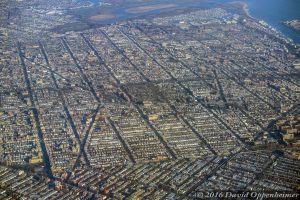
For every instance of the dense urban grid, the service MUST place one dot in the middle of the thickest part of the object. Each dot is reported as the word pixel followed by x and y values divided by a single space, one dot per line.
pixel 165 107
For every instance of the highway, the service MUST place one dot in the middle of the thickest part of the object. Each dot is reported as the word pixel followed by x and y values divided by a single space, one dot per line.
pixel 187 90
pixel 65 106
pixel 40 133
pixel 101 61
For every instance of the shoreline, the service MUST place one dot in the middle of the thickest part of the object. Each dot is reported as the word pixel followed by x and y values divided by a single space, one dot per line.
pixel 247 10
pixel 277 33
pixel 243 8
pixel 292 24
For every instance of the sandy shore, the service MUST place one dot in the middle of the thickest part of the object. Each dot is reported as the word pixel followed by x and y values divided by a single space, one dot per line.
pixel 246 10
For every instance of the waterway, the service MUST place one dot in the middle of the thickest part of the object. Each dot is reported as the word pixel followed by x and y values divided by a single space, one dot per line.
pixel 274 12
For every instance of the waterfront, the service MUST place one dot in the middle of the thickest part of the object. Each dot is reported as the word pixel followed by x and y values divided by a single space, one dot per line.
pixel 275 13
pixel 166 106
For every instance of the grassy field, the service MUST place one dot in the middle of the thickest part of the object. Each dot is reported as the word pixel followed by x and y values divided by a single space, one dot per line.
pixel 143 9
